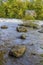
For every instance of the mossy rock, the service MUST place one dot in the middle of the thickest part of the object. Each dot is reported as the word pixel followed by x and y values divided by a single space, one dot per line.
pixel 21 29
pixel 32 25
pixel 35 26
pixel 4 27
pixel 23 36
pixel 17 51
pixel 24 24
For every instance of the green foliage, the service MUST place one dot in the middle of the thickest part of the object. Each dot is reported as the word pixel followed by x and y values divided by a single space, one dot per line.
pixel 28 17
pixel 17 8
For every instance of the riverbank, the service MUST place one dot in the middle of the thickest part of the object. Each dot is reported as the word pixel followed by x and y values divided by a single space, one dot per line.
pixel 11 20
pixel 40 22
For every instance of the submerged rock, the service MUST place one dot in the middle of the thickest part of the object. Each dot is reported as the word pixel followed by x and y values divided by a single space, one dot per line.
pixel 4 27
pixel 17 51
pixel 21 29
pixel 23 36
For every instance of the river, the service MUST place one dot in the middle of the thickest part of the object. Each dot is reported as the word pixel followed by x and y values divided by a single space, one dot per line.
pixel 9 38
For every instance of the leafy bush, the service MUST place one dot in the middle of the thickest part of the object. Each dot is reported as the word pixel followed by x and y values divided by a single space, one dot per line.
pixel 17 8
pixel 28 17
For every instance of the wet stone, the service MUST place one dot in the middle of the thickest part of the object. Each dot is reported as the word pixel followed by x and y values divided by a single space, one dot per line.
pixel 4 27
pixel 17 51
pixel 41 31
pixel 23 36
pixel 21 29
pixel 31 24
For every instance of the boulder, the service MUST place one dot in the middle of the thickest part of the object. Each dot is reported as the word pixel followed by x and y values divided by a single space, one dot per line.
pixel 21 29
pixel 17 51
pixel 35 26
pixel 41 31
pixel 4 27
pixel 23 36
pixel 24 24
pixel 32 25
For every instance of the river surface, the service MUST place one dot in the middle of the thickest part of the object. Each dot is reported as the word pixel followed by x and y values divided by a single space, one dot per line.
pixel 10 37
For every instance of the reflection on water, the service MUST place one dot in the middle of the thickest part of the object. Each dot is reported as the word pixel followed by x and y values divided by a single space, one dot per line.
pixel 9 37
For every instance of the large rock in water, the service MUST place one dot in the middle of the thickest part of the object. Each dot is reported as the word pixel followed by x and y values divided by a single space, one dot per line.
pixel 31 25
pixel 41 31
pixel 23 36
pixel 4 27
pixel 17 51
pixel 21 29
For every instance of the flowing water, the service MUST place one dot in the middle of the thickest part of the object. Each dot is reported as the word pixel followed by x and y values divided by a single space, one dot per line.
pixel 10 37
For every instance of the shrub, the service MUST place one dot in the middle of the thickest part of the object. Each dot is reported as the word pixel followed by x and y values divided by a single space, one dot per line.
pixel 17 8
pixel 28 17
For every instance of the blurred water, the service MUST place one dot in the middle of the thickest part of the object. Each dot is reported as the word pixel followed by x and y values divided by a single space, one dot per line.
pixel 9 37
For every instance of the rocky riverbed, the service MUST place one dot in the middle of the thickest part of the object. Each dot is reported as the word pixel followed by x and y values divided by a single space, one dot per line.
pixel 10 37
